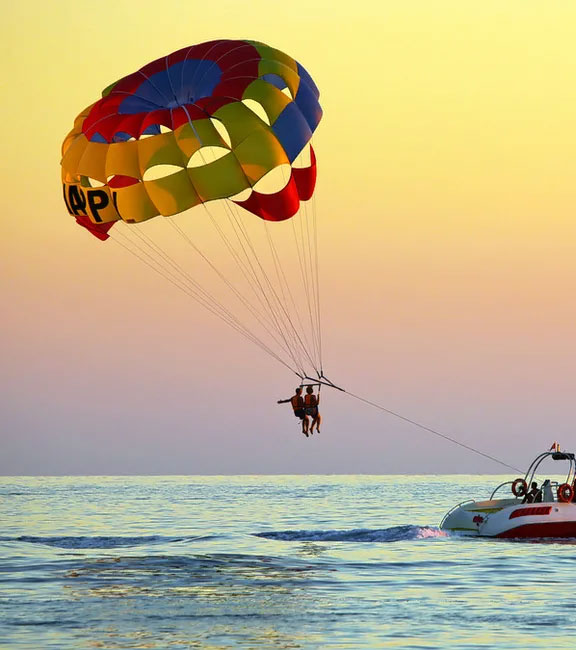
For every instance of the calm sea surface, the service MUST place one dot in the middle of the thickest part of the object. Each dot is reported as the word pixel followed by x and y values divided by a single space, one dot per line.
pixel 269 562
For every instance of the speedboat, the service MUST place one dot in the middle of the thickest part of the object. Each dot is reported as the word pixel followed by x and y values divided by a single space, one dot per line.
pixel 546 512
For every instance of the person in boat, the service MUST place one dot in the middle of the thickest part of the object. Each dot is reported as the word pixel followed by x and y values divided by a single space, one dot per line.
pixel 297 402
pixel 311 402
pixel 534 495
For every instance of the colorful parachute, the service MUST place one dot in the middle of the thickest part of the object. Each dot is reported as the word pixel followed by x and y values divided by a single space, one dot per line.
pixel 211 124
pixel 251 104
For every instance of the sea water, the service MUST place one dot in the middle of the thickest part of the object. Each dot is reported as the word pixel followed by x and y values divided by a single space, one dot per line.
pixel 269 562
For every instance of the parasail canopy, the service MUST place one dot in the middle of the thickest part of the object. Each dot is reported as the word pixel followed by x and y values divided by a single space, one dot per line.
pixel 207 122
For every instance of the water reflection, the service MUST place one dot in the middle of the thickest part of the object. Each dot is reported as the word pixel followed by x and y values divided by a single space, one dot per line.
pixel 203 600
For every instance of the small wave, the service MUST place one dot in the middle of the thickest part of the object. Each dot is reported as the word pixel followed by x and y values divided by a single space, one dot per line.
pixel 97 542
pixel 394 534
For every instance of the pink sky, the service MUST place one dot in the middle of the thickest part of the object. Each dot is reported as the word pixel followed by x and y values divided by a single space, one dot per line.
pixel 447 235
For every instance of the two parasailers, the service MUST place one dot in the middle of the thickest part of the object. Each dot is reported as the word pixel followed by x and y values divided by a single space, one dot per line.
pixel 306 408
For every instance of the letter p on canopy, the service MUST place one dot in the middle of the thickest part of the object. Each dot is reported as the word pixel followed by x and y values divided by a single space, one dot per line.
pixel 95 203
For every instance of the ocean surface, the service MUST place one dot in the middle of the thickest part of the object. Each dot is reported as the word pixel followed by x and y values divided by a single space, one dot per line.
pixel 269 562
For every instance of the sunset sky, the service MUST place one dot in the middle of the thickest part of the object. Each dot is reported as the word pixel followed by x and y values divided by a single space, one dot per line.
pixel 446 199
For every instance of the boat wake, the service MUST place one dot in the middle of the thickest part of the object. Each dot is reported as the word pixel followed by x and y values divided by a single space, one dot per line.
pixel 394 534
pixel 100 542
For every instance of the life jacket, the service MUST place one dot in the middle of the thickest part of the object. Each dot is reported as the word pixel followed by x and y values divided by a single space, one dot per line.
pixel 297 402
pixel 310 400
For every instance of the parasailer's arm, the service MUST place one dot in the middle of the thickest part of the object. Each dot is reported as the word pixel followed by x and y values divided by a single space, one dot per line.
pixel 284 401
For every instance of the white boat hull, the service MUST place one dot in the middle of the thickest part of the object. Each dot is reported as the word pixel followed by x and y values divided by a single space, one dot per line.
pixel 513 519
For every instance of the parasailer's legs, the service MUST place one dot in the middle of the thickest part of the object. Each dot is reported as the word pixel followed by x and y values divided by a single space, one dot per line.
pixel 311 402
pixel 316 421
pixel 305 425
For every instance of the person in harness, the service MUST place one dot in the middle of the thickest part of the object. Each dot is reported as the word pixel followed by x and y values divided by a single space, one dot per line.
pixel 297 402
pixel 311 402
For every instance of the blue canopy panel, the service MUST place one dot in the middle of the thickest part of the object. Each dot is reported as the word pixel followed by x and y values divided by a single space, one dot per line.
pixel 307 101
pixel 304 76
pixel 182 83
pixel 274 79
pixel 292 130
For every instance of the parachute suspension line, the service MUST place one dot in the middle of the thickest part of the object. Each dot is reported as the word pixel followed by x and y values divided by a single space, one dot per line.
pixel 207 296
pixel 186 276
pixel 251 268
pixel 226 280
pixel 285 288
pixel 265 324
pixel 279 275
pixel 309 341
pixel 303 275
pixel 283 282
pixel 244 269
pixel 254 282
pixel 317 273
pixel 194 290
pixel 313 280
pixel 189 289
pixel 305 281
pixel 149 261
pixel 274 294
pixel 270 296
pixel 430 430
pixel 160 265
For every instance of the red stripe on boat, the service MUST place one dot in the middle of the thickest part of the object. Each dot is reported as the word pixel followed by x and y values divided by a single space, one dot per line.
pixel 551 529
pixel 526 512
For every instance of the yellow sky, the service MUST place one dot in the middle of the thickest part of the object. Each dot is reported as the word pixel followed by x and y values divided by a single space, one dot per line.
pixel 446 195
